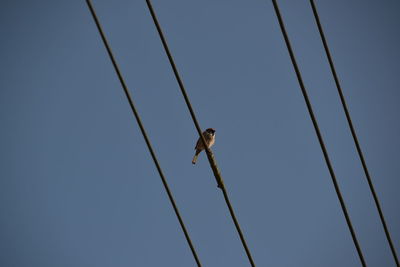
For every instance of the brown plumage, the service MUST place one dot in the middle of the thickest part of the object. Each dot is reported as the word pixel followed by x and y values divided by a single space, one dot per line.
pixel 209 136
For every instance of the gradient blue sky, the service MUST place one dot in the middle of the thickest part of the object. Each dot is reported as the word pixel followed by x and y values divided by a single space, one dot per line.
pixel 78 187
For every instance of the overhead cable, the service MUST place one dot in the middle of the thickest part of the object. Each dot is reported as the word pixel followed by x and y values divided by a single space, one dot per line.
pixel 138 120
pixel 319 136
pixel 210 155
pixel 353 132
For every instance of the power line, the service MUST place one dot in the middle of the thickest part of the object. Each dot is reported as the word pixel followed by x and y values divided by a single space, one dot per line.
pixel 316 127
pixel 138 120
pixel 210 155
pixel 353 132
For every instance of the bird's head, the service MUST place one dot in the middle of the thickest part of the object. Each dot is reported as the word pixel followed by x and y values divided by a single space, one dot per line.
pixel 210 131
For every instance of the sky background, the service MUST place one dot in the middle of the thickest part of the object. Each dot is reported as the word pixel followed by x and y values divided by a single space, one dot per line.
pixel 77 183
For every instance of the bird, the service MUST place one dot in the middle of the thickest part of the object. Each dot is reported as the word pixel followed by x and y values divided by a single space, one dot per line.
pixel 209 136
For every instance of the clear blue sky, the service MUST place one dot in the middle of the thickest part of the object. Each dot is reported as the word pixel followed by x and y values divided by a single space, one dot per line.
pixel 78 186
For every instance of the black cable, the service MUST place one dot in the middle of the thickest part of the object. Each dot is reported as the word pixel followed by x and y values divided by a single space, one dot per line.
pixel 316 127
pixel 128 96
pixel 353 132
pixel 209 153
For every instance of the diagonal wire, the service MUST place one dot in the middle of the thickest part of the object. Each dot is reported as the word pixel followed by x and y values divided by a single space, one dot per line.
pixel 316 127
pixel 209 153
pixel 353 132
pixel 103 37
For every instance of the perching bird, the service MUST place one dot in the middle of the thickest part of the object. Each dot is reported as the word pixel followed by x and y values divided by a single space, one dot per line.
pixel 209 136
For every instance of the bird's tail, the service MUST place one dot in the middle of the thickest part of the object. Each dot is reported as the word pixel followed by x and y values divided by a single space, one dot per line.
pixel 195 156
